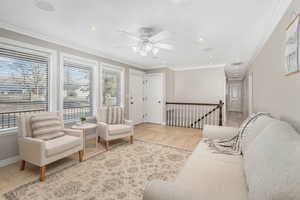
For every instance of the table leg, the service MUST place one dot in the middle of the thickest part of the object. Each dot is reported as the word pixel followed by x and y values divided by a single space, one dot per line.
pixel 97 138
pixel 84 141
pixel 96 142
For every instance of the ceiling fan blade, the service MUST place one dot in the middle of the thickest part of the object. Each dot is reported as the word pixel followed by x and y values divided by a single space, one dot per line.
pixel 124 46
pixel 164 46
pixel 130 35
pixel 160 36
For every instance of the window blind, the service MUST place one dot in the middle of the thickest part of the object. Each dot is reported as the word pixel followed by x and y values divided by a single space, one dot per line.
pixel 23 85
pixel 111 81
pixel 77 91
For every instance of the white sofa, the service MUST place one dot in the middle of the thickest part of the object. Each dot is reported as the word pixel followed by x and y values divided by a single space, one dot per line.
pixel 268 170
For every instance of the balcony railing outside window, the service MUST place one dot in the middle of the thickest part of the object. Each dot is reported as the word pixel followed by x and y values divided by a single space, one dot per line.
pixel 9 119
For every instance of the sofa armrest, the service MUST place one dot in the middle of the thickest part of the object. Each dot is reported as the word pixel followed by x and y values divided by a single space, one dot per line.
pixel 32 150
pixel 129 122
pixel 219 132
pixel 161 190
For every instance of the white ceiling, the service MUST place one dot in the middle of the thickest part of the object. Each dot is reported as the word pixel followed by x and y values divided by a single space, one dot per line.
pixel 232 28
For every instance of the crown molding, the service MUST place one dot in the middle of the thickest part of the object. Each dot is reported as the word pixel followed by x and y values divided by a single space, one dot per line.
pixel 275 19
pixel 197 67
pixel 66 44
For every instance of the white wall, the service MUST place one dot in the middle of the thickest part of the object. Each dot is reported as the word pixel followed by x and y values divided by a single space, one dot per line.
pixel 273 91
pixel 199 86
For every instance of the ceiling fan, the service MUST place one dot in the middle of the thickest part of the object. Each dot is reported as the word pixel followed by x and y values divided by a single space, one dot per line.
pixel 148 42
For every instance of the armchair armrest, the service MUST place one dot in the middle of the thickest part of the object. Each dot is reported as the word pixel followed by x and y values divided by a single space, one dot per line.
pixel 160 190
pixel 32 150
pixel 129 122
pixel 102 124
pixel 219 132
pixel 73 132
pixel 102 129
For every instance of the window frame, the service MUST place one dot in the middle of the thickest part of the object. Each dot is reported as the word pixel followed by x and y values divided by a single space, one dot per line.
pixel 84 63
pixel 122 79
pixel 52 70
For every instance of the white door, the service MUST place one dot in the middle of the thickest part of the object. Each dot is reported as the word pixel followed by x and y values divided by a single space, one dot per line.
pixel 235 97
pixel 153 87
pixel 136 95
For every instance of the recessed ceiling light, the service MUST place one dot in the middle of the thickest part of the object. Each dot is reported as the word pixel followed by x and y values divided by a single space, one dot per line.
pixel 201 39
pixel 44 5
pixel 93 28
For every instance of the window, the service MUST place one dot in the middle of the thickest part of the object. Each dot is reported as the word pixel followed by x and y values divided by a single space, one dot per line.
pixel 77 91
pixel 112 86
pixel 23 85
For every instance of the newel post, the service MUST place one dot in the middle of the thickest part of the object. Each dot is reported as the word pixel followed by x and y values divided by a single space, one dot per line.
pixel 221 113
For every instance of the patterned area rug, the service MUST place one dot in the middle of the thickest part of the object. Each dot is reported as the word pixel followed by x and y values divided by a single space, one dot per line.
pixel 120 173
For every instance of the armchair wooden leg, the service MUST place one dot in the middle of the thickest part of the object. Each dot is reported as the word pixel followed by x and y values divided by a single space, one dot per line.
pixel 131 139
pixel 81 155
pixel 23 163
pixel 106 145
pixel 42 173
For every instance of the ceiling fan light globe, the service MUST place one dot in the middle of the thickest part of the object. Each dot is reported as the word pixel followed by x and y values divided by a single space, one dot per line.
pixel 143 53
pixel 134 49
pixel 148 47
pixel 155 51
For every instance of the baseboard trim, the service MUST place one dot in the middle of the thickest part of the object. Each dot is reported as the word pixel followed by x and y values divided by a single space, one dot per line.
pixel 9 161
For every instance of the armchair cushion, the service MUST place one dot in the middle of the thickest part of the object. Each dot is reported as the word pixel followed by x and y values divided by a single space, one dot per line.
pixel 115 115
pixel 61 144
pixel 46 127
pixel 118 129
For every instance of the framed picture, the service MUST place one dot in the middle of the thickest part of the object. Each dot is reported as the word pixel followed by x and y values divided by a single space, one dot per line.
pixel 292 55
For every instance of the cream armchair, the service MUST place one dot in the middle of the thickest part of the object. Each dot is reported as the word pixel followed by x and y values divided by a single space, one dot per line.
pixel 108 131
pixel 40 152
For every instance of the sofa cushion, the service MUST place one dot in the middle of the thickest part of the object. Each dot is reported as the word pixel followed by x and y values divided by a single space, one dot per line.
pixel 272 163
pixel 117 129
pixel 61 144
pixel 46 127
pixel 254 129
pixel 214 176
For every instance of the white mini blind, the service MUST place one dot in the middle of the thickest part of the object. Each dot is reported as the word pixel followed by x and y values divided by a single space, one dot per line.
pixel 23 85
pixel 77 91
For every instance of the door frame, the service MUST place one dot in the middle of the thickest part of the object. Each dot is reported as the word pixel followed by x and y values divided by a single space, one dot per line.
pixel 250 93
pixel 235 82
pixel 138 72
pixel 162 75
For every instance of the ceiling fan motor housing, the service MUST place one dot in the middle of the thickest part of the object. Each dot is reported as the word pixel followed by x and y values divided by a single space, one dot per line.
pixel 146 33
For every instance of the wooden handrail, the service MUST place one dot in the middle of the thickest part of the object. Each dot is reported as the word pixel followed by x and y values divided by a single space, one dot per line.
pixel 199 104
pixel 219 106
pixel 188 114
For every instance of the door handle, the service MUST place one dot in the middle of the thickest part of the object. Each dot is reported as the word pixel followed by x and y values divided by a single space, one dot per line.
pixel 159 102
